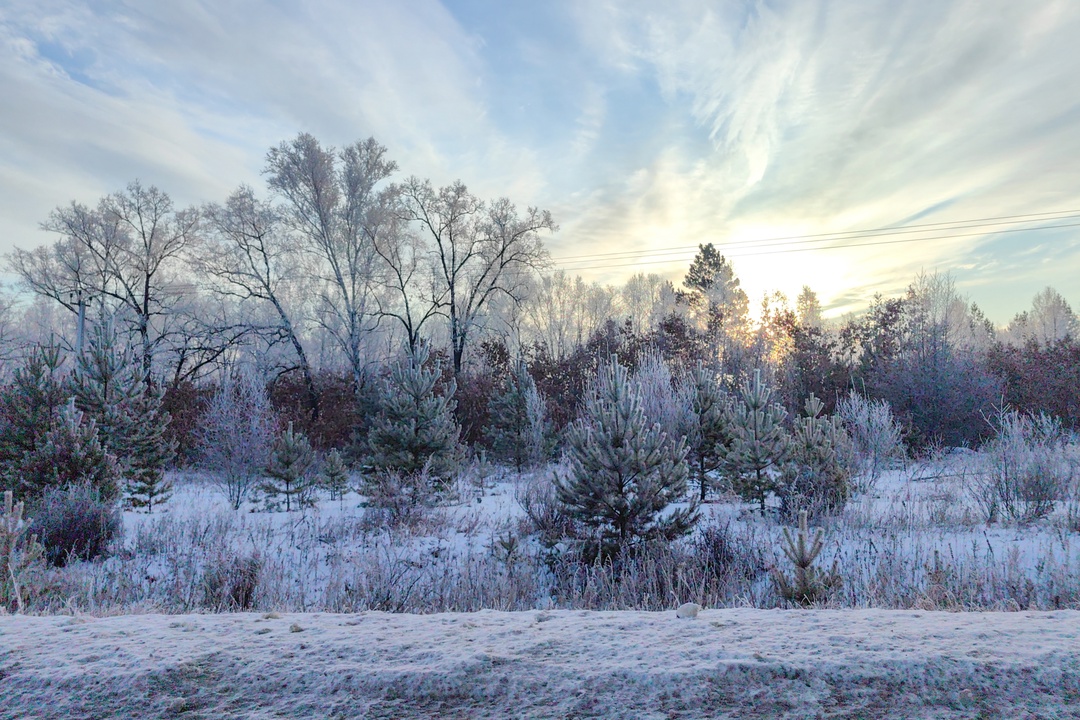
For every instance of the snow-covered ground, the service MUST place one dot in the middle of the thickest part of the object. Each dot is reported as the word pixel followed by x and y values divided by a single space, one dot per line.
pixel 737 663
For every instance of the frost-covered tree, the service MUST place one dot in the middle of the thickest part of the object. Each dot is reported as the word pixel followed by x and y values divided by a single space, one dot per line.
pixel 416 428
pixel 758 442
pixel 236 434
pixel 334 476
pixel 877 436
pixel 29 405
pixel 517 432
pixel 708 437
pixel 624 472
pixel 110 387
pixel 817 474
pixel 71 454
pixel 288 470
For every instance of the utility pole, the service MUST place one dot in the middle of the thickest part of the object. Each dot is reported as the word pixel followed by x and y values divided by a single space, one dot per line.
pixel 80 331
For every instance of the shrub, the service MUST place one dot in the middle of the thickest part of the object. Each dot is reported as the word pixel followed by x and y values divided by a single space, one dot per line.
pixel 230 585
pixel 20 556
pixel 1023 471
pixel 875 434
pixel 75 522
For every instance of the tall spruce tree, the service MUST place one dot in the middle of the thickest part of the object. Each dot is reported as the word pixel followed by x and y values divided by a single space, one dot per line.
pixel 110 386
pixel 624 472
pixel 288 469
pixel 416 429
pixel 517 432
pixel 758 441
pixel 709 436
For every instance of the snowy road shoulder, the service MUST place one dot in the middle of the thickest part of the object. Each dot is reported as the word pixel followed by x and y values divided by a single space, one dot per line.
pixel 558 664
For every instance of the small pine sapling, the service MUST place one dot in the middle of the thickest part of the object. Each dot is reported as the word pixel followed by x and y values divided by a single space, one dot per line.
pixel 20 557
pixel 290 463
pixel 624 472
pixel 817 474
pixel 517 432
pixel 416 430
pixel 809 584
pixel 71 454
pixel 334 476
pixel 758 441
pixel 29 404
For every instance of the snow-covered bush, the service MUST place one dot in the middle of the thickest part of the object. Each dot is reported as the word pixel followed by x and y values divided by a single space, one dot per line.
pixel 1025 469
pixel 75 522
pixel 877 437
pixel 236 435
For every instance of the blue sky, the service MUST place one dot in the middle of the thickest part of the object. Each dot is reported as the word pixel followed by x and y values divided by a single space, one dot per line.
pixel 639 128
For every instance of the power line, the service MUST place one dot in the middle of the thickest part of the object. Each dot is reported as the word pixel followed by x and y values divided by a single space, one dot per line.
pixel 850 234
pixel 782 251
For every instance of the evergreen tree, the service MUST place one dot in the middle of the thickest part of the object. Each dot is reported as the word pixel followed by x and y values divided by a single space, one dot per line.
pixel 708 436
pixel 416 428
pixel 517 432
pixel 70 454
pixel 334 477
pixel 28 409
pixel 624 472
pixel 290 462
pixel 817 475
pixel 110 387
pixel 758 441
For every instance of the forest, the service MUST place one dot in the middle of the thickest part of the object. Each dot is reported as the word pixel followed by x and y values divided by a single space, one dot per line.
pixel 350 390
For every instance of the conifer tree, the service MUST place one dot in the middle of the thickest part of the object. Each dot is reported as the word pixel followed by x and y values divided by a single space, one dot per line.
pixel 709 436
pixel 624 472
pixel 817 473
pixel 758 440
pixel 809 584
pixel 71 454
pixel 290 462
pixel 109 385
pixel 517 432
pixel 28 409
pixel 334 476
pixel 416 428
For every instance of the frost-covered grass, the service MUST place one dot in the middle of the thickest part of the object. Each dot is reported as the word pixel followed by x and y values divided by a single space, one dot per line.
pixel 917 539
pixel 738 663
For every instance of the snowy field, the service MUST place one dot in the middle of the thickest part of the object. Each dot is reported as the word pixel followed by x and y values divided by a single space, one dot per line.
pixel 485 620
pixel 737 663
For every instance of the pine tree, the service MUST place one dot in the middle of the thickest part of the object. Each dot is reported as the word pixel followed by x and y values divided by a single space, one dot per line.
pixel 416 428
pixel 817 473
pixel 110 387
pixel 334 476
pixel 624 472
pixel 517 432
pixel 758 441
pixel 71 454
pixel 809 584
pixel 709 435
pixel 290 462
pixel 28 409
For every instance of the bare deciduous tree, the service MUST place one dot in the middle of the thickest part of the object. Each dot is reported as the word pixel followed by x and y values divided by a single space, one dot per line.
pixel 250 260
pixel 123 253
pixel 332 203
pixel 480 250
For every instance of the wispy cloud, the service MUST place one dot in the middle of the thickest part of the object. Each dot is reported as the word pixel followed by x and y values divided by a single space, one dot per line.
pixel 640 127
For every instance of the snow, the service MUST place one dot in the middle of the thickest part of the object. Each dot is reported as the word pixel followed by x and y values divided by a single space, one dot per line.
pixel 544 664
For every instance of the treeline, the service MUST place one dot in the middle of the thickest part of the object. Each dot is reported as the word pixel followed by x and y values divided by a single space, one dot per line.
pixel 318 289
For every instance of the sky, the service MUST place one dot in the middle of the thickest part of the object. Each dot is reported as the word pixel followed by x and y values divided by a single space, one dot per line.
pixel 644 127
